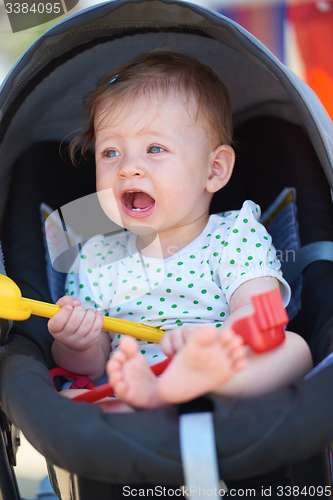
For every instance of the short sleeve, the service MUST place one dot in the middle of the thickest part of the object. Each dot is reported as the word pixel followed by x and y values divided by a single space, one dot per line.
pixel 248 253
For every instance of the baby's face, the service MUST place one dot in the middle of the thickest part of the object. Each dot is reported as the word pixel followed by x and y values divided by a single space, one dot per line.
pixel 155 156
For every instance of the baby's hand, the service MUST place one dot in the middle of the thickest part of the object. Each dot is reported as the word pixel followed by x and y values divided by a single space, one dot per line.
pixel 175 339
pixel 75 326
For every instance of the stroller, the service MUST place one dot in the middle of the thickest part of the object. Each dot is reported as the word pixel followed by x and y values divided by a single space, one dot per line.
pixel 284 140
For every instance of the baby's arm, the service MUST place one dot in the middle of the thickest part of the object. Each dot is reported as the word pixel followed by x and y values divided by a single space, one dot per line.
pixel 240 301
pixel 80 345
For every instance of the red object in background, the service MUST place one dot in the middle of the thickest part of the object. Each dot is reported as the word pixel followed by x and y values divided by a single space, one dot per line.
pixel 313 24
pixel 264 330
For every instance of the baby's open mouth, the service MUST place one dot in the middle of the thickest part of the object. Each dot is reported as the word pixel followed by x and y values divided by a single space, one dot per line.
pixel 137 201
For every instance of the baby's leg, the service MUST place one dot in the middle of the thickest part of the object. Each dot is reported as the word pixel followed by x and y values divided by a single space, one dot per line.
pixel 208 360
pixel 130 376
pixel 271 370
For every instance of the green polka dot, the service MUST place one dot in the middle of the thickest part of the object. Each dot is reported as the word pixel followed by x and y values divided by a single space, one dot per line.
pixel 192 272
pixel 149 307
pixel 179 279
pixel 66 290
pixel 174 306
pixel 209 308
pixel 250 257
pixel 134 287
pixel 72 272
pixel 143 351
pixel 226 244
pixel 101 275
pixel 156 283
pixel 245 221
pixel 192 256
pixel 232 261
pixel 244 240
pixel 169 275
pixel 218 325
pixel 228 275
pixel 110 284
pixel 191 285
pixel 71 282
pixel 258 245
pixel 235 231
pixel 222 314
pixel 83 256
pixel 218 236
pixel 216 297
pixel 118 309
pixel 72 293
pixel 127 297
pixel 238 250
pixel 204 248
pixel 215 254
pixel 195 302
pixel 253 230
pixel 95 283
pixel 89 271
pixel 265 238
pixel 180 263
pixel 161 313
pixel 124 281
pixel 99 254
pixel 139 303
pixel 162 299
pixel 182 296
pixel 204 291
pixel 158 270
pixel 168 290
pixel 138 277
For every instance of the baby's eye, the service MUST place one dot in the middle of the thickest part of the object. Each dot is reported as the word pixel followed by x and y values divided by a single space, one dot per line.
pixel 155 149
pixel 111 153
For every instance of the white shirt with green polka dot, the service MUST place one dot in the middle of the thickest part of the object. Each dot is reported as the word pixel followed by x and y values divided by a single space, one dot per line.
pixel 191 287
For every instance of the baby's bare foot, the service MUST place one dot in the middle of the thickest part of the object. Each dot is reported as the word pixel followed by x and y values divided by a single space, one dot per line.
pixel 131 377
pixel 205 363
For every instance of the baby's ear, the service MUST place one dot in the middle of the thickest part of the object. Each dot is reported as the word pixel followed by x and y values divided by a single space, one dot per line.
pixel 221 164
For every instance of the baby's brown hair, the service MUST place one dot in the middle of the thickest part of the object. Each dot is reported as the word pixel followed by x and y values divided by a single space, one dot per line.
pixel 162 71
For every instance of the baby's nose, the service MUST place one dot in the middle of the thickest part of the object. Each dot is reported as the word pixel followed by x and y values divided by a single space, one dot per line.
pixel 131 168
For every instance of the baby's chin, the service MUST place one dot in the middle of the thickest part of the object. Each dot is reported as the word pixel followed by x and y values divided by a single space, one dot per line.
pixel 142 230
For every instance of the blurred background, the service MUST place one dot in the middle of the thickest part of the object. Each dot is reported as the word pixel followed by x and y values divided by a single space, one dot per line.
pixel 298 32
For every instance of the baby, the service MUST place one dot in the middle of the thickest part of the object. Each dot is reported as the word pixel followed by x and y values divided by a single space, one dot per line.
pixel 161 128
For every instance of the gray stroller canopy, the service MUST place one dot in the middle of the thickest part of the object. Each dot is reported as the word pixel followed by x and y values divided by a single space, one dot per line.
pixel 41 98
